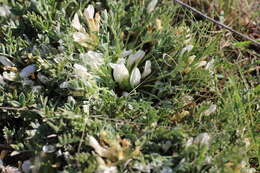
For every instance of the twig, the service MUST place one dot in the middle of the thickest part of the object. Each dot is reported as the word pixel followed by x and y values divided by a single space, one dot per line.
pixel 245 37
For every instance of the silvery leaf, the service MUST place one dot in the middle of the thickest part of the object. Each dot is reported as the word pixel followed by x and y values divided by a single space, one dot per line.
pixel 6 62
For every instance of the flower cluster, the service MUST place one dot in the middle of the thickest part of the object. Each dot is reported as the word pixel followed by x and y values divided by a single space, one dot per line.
pixel 87 39
pixel 112 150
pixel 127 74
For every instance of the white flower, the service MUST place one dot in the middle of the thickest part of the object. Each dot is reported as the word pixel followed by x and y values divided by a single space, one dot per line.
pixel 92 19
pixel 6 62
pixel 28 70
pixel 48 148
pixel 71 100
pixel 76 23
pixel 120 73
pixel 135 77
pixel 151 5
pixel 147 69
pixel 26 166
pixel 5 10
pixel 9 76
pixel 103 168
pixel 135 58
pixel 89 12
pixel 97 147
pixel 81 38
pixel 187 48
pixel 93 59
pixel 202 139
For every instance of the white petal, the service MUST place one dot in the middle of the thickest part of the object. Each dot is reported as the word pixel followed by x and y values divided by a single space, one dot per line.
pixel 48 148
pixel 103 168
pixel 188 48
pixel 9 76
pixel 6 62
pixel 28 70
pixel 5 10
pixel 151 5
pixel 89 12
pixel 71 100
pixel 147 69
pixel 76 23
pixel 135 58
pixel 99 150
pixel 80 37
pixel 120 72
pixel 135 77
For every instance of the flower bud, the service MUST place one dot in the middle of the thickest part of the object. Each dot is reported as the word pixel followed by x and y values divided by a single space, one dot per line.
pixel 135 77
pixel 147 69
pixel 135 58
pixel 89 12
pixel 120 73
pixel 151 5
pixel 81 38
pixel 76 24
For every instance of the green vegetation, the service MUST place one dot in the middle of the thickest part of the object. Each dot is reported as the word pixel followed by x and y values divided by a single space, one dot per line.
pixel 129 87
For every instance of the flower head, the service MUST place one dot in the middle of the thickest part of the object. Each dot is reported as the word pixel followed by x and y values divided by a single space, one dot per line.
pixel 120 73
pixel 147 69
pixel 135 77
pixel 135 58
pixel 151 5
